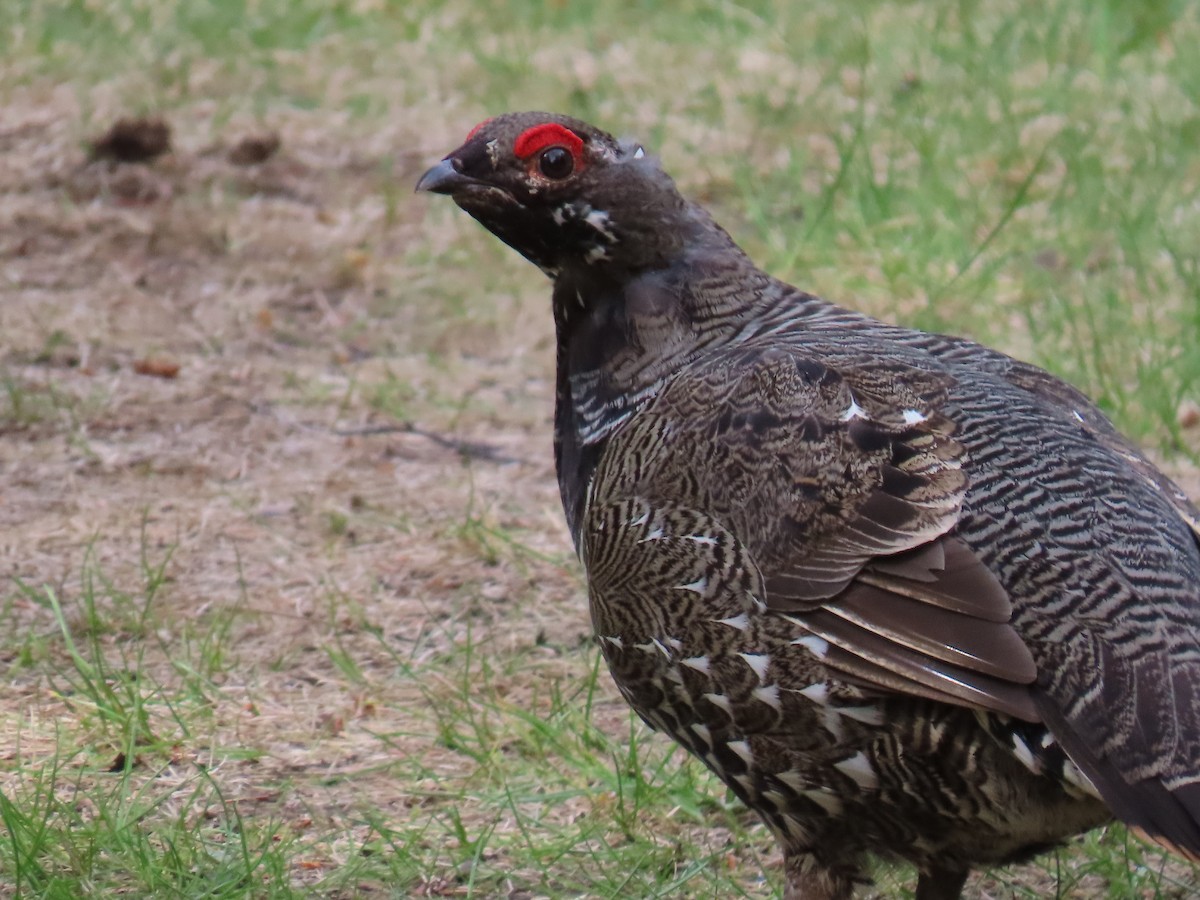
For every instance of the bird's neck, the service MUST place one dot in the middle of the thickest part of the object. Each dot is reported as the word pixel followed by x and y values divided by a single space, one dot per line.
pixel 622 338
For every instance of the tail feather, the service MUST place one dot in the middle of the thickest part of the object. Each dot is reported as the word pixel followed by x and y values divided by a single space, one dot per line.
pixel 1168 816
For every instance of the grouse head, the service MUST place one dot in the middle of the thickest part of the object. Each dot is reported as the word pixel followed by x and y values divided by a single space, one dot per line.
pixel 567 195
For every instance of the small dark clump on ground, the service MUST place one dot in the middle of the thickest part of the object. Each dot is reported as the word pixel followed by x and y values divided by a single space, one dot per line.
pixel 254 148
pixel 132 140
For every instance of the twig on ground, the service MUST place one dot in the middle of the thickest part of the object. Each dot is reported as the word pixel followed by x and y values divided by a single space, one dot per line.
pixel 466 449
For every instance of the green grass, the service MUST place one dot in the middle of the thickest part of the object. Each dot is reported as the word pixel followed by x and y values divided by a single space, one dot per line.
pixel 1023 173
pixel 123 802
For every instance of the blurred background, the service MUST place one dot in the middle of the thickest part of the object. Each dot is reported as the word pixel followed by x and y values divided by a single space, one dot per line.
pixel 287 607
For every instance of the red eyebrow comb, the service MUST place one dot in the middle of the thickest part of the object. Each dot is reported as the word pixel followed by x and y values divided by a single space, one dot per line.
pixel 539 137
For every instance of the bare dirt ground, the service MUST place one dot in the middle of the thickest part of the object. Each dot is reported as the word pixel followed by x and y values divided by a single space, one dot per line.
pixel 225 355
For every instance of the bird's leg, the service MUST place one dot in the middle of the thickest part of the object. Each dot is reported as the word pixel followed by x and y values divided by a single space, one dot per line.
pixel 808 879
pixel 941 884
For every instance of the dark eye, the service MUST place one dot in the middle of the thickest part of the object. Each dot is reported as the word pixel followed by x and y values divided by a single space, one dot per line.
pixel 556 162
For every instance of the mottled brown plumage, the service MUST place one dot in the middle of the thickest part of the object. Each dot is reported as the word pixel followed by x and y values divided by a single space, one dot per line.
pixel 905 595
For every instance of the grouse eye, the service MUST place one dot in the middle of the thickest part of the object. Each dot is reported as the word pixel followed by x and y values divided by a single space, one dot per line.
pixel 556 162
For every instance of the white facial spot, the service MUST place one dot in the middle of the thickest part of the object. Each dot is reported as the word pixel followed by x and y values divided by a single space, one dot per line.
pixel 759 662
pixel 600 221
pixel 493 151
pixel 559 215
pixel 858 767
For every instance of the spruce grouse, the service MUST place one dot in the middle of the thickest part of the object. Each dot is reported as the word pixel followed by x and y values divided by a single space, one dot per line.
pixel 905 595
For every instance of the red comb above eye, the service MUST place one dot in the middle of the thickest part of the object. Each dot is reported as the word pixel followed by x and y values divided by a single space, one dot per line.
pixel 539 137
pixel 474 131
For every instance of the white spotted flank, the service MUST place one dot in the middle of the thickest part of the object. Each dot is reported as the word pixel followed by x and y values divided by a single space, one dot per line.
pixel 858 767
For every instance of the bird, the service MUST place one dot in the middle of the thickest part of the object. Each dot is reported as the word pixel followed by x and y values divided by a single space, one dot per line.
pixel 908 597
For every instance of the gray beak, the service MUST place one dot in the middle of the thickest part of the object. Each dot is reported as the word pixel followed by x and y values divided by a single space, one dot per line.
pixel 443 178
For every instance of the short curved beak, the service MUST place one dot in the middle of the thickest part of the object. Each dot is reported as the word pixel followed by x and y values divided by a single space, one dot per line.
pixel 443 178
